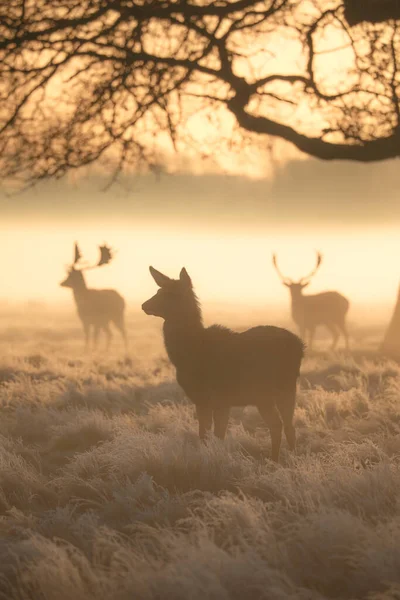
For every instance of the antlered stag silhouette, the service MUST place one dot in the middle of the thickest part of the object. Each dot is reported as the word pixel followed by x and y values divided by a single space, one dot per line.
pixel 326 308
pixel 219 368
pixel 96 308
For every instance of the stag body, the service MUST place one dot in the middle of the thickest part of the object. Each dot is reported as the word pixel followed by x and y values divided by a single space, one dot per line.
pixel 327 308
pixel 96 308
pixel 219 368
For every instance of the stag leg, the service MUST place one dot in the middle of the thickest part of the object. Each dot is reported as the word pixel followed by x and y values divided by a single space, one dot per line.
pixel 86 329
pixel 120 325
pixel 96 336
pixel 204 415
pixel 108 333
pixel 273 420
pixel 311 338
pixel 124 337
pixel 343 329
pixel 335 334
pixel 221 418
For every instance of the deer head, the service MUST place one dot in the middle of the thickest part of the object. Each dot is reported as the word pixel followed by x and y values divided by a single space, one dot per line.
pixel 172 298
pixel 296 287
pixel 75 277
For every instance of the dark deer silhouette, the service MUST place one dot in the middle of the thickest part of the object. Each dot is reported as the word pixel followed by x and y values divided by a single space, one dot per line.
pixel 96 308
pixel 219 368
pixel 326 308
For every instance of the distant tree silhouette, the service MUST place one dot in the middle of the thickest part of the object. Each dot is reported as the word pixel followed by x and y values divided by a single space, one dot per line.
pixel 391 342
pixel 123 81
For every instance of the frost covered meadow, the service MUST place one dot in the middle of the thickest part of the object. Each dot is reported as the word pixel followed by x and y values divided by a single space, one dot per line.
pixel 106 491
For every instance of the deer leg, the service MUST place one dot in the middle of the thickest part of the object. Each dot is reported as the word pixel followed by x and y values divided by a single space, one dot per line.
pixel 120 325
pixel 285 404
pixel 204 415
pixel 124 337
pixel 333 329
pixel 221 418
pixel 108 333
pixel 311 338
pixel 86 329
pixel 343 329
pixel 96 336
pixel 273 420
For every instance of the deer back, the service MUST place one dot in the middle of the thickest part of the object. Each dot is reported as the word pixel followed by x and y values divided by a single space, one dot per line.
pixel 325 307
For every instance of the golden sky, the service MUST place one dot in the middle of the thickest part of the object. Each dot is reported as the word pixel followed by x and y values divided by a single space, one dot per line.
pixel 222 229
pixel 228 267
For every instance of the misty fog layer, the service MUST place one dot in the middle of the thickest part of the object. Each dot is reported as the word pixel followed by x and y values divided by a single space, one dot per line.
pixel 222 229
pixel 301 193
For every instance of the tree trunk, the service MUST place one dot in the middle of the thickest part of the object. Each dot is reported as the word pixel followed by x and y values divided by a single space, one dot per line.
pixel 391 342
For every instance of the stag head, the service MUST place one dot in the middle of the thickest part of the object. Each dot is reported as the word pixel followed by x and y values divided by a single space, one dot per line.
pixel 75 277
pixel 303 281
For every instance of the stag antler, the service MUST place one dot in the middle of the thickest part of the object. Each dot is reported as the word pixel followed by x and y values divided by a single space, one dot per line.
pixel 319 261
pixel 77 254
pixel 284 279
pixel 106 256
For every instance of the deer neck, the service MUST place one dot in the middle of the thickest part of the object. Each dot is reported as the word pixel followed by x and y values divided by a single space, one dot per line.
pixel 297 307
pixel 182 338
pixel 79 292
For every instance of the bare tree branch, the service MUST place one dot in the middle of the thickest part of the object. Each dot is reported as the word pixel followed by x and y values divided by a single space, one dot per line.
pixel 132 82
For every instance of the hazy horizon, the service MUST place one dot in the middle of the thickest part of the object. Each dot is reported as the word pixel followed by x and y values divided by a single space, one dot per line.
pixel 223 229
pixel 305 192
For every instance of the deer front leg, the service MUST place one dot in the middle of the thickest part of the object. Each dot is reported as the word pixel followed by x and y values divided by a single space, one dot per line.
pixel 221 418
pixel 86 330
pixel 273 420
pixel 204 416
pixel 302 332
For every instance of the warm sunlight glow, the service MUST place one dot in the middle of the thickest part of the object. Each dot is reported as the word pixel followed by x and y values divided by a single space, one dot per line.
pixel 229 268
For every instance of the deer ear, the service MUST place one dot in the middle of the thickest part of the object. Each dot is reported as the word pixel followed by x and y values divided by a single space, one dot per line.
pixel 160 279
pixel 303 285
pixel 185 278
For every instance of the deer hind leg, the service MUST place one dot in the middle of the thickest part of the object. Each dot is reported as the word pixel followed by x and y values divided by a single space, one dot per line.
pixel 311 337
pixel 221 418
pixel 343 329
pixel 273 420
pixel 204 416
pixel 120 325
pixel 335 334
pixel 108 333
pixel 86 330
pixel 302 332
pixel 96 336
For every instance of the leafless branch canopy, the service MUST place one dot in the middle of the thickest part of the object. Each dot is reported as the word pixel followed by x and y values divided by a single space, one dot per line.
pixel 129 82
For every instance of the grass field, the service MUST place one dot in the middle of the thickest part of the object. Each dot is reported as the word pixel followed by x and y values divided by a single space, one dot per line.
pixel 107 493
